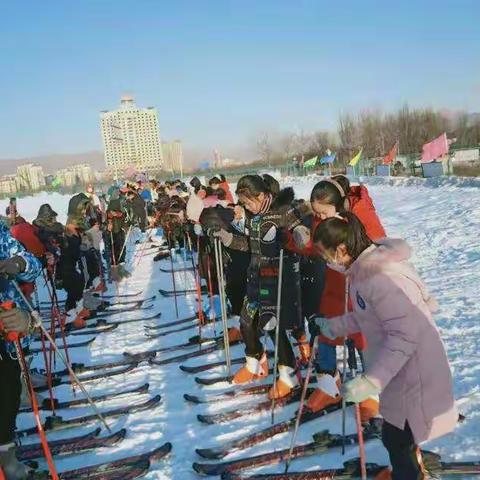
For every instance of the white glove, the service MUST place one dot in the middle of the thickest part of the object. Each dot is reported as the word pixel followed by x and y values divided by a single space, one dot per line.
pixel 359 389
pixel 225 237
pixel 301 236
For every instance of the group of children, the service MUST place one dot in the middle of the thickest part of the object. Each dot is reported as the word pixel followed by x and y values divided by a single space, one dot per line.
pixel 343 280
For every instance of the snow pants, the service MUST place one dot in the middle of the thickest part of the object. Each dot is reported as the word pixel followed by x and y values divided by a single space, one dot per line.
pixel 326 358
pixel 73 283
pixel 252 333
pixel 405 456
pixel 10 397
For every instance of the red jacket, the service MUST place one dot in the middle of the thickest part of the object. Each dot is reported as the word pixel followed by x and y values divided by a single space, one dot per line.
pixel 26 234
pixel 332 301
pixel 226 188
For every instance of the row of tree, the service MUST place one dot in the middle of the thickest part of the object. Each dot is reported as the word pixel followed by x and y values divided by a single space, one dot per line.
pixel 376 132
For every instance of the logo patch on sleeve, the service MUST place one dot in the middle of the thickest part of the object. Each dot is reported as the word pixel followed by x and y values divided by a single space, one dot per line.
pixel 361 302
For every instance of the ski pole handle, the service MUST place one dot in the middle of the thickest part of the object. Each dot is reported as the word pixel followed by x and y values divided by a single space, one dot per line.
pixel 9 336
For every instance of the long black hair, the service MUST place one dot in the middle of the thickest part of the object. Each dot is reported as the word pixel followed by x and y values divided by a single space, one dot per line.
pixel 330 192
pixel 348 230
pixel 253 185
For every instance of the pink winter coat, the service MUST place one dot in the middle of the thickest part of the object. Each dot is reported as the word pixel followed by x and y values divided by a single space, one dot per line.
pixel 405 357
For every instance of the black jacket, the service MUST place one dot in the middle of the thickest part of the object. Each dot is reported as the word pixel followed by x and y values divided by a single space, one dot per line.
pixel 265 236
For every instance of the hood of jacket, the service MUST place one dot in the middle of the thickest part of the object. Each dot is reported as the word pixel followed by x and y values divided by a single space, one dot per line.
pixel 77 211
pixel 46 216
pixel 284 199
pixel 389 256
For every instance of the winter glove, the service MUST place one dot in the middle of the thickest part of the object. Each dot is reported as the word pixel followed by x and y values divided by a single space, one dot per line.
pixel 15 320
pixel 268 321
pixel 198 230
pixel 12 266
pixel 359 389
pixel 320 326
pixel 301 236
pixel 224 236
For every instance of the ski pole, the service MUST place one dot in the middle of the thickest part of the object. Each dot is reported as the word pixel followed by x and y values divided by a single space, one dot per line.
pixel 14 337
pixel 344 373
pixel 221 290
pixel 277 331
pixel 173 275
pixel 125 242
pixel 38 323
pixel 352 364
pixel 302 404
pixel 213 314
pixel 196 274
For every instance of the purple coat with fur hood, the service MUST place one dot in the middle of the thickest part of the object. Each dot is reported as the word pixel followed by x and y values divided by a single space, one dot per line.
pixel 406 358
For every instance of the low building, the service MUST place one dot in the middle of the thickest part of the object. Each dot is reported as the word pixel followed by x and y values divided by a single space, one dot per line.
pixel 30 177
pixel 8 185
pixel 80 174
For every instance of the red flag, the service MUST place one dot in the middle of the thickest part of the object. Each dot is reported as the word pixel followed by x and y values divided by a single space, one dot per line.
pixel 435 149
pixel 390 157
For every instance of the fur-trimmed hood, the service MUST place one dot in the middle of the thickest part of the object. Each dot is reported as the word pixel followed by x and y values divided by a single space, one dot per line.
pixel 284 198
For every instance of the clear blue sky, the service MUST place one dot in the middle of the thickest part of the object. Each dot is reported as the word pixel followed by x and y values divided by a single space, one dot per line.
pixel 219 71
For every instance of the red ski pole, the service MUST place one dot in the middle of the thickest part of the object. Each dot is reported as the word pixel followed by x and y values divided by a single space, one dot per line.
pixel 14 337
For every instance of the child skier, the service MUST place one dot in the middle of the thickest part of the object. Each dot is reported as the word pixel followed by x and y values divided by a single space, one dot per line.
pixel 271 213
pixel 329 198
pixel 406 363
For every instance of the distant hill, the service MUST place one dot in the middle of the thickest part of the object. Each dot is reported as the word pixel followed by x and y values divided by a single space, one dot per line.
pixel 192 158
pixel 50 163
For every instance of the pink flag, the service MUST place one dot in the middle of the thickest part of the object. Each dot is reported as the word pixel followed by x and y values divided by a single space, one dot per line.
pixel 435 149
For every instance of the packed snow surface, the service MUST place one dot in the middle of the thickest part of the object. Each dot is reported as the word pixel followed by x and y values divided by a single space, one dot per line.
pixel 441 221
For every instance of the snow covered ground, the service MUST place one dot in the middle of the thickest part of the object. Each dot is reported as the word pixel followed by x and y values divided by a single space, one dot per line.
pixel 439 218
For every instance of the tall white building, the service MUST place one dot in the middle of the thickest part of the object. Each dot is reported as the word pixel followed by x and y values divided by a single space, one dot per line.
pixel 30 177
pixel 173 157
pixel 131 138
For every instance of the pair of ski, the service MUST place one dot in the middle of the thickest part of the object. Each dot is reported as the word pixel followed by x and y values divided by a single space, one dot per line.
pixel 153 331
pixel 351 469
pixel 172 293
pixel 57 423
pixel 121 295
pixel 80 402
pixel 322 442
pixel 123 469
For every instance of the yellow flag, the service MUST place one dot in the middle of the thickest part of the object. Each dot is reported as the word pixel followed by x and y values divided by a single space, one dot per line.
pixel 356 158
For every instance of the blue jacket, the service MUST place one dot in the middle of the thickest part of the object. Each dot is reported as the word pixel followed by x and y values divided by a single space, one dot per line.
pixel 9 247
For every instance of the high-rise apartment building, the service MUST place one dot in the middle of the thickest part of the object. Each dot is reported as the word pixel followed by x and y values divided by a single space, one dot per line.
pixel 30 177
pixel 173 157
pixel 131 138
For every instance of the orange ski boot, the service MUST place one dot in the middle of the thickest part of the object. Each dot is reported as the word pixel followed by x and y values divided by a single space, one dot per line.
pixel 79 322
pixel 384 474
pixel 252 370
pixel 304 349
pixel 369 408
pixel 234 335
pixel 287 381
pixel 327 393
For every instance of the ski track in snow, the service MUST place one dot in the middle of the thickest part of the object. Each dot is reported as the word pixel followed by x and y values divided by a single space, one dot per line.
pixel 440 220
